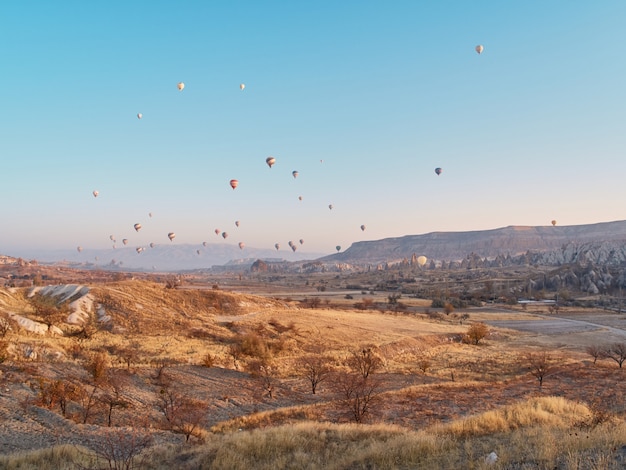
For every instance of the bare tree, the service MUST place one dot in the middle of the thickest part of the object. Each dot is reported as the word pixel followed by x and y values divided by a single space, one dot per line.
pixel 314 368
pixel 617 352
pixel 48 310
pixel 540 365
pixel 183 415
pixel 86 397
pixel 364 362
pixel 264 370
pixel 595 352
pixel 112 393
pixel 357 395
pixel 129 355
pixel 54 393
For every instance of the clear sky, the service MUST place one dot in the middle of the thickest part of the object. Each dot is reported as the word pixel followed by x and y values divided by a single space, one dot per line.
pixel 363 98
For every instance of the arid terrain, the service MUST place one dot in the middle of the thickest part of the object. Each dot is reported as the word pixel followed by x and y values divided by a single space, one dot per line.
pixel 186 362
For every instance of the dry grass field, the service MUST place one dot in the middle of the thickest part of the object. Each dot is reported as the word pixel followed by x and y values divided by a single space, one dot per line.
pixel 199 377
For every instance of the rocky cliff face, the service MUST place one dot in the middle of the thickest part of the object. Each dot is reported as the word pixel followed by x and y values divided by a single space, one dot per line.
pixel 563 243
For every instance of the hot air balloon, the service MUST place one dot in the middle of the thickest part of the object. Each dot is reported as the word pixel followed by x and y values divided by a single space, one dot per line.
pixel 198 251
pixel 112 237
pixel 79 248
pixel 553 223
pixel 293 247
pixel 338 248
pixel 438 171
pixel 139 115
pixel 171 236
pixel 242 245
pixel 95 193
pixel 237 223
pixel 152 245
pixel 204 243
pixel 150 214
pixel 224 235
pixel 421 260
pixel 234 183
pixel 294 173
pixel 301 241
pixel 277 246
pixel 242 86
pixel 330 206
pixel 479 49
pixel 299 198
pixel 290 243
pixel 139 249
pixel 181 86
pixel 217 231
pixel 270 161
pixel 137 227
pixel 125 241
pixel 363 228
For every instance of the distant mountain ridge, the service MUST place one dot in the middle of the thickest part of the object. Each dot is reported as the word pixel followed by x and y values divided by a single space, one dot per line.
pixel 175 257
pixel 506 241
pixel 602 243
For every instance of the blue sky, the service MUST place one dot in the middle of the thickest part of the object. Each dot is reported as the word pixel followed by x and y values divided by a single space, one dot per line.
pixel 363 98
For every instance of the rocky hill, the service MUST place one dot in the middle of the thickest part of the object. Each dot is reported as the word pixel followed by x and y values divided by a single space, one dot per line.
pixel 564 243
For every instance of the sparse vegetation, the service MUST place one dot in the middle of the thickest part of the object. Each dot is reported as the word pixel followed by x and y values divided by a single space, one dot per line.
pixel 540 365
pixel 616 352
pixel 201 362
pixel 477 332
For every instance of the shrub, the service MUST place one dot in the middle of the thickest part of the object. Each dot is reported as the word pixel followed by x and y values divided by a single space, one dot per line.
pixel 208 360
pixel 476 332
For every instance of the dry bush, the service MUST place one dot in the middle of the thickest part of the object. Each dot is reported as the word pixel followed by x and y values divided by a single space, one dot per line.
pixel 4 351
pixel 128 355
pixel 311 302
pixel 364 304
pixel 182 414
pixel 5 325
pixel 437 316
pixel 364 362
pixel 280 328
pixel 208 360
pixel 253 345
pixel 476 333
pixel 121 448
pixel 97 367
pixel 53 393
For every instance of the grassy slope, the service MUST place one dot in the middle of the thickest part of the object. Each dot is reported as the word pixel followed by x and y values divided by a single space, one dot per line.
pixel 449 416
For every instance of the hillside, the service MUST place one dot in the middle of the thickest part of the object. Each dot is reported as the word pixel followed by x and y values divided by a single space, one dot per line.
pixel 507 241
pixel 169 363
